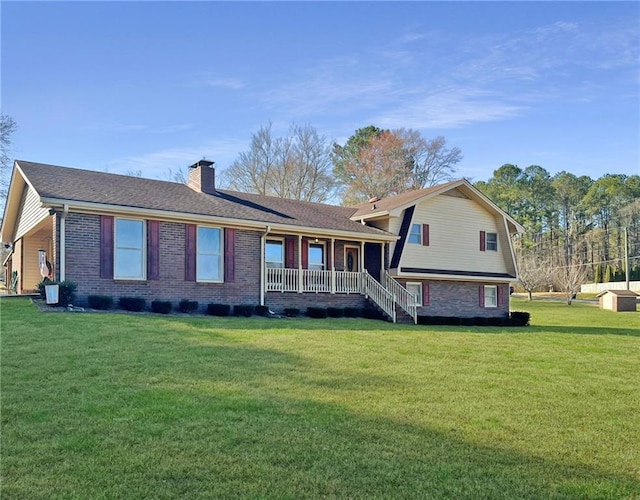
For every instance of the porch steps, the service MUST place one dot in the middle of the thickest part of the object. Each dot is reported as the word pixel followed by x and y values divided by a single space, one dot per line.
pixel 403 316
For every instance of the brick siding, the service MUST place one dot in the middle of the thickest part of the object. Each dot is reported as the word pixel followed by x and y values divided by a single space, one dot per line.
pixel 277 301
pixel 83 267
pixel 460 299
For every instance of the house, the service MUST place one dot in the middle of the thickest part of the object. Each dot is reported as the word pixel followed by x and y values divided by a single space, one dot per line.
pixel 441 251
pixel 618 300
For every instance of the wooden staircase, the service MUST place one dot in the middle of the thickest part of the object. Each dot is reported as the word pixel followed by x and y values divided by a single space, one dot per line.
pixel 391 298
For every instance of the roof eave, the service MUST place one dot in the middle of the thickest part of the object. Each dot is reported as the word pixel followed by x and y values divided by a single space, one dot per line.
pixel 101 208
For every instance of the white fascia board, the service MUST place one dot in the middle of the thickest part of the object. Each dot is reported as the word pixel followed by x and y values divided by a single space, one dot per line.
pixel 102 208
pixel 450 277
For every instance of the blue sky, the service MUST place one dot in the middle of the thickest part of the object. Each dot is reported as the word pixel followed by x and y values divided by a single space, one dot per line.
pixel 153 86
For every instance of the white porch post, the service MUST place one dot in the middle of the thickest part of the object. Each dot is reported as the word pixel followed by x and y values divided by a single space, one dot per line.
pixel 263 281
pixel 333 265
pixel 300 263
pixel 63 242
pixel 362 256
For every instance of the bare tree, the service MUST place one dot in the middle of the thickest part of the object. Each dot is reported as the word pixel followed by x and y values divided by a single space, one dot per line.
pixel 569 278
pixel 533 272
pixel 7 127
pixel 179 175
pixel 296 166
pixel 430 160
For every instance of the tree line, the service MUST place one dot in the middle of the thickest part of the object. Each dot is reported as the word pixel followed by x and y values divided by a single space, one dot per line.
pixel 572 223
pixel 306 165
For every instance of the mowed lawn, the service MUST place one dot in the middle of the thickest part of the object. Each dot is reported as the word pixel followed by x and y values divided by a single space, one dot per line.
pixel 112 405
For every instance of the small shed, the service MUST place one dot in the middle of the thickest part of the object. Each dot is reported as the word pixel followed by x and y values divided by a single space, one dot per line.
pixel 618 300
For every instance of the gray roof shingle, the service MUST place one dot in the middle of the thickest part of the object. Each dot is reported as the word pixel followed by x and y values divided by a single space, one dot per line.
pixel 64 183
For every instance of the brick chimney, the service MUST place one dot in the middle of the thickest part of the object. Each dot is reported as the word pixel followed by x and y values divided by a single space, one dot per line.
pixel 202 177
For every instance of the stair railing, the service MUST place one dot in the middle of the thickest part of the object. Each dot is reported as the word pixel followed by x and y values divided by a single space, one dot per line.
pixel 379 294
pixel 404 298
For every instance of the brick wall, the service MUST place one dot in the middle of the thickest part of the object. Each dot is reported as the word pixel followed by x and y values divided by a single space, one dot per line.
pixel 83 267
pixel 461 299
pixel 277 301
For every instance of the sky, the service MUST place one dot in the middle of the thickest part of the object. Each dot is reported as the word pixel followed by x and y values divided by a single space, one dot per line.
pixel 156 86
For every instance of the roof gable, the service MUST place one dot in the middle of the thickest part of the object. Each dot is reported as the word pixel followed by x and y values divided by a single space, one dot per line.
pixel 394 205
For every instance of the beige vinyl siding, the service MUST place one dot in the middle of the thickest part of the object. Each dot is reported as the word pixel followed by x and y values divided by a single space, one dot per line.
pixel 30 268
pixel 16 262
pixel 454 229
pixel 394 228
pixel 31 213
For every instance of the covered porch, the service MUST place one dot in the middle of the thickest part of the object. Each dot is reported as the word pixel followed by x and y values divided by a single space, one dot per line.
pixel 310 264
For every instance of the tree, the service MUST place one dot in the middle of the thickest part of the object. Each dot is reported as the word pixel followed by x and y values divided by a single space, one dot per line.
pixel 430 161
pixel 296 166
pixel 569 278
pixel 376 162
pixel 506 188
pixel 7 127
pixel 569 192
pixel 533 272
pixel 345 157
pixel 381 169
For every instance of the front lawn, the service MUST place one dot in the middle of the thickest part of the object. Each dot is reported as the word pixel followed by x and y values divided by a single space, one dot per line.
pixel 144 406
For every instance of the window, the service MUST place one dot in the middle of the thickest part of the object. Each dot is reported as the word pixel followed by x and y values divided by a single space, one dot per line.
pixel 492 242
pixel 415 235
pixel 416 289
pixel 209 254
pixel 129 245
pixel 274 254
pixel 316 256
pixel 490 296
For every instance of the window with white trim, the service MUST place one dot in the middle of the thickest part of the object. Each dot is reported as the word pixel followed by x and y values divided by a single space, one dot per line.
pixel 316 256
pixel 492 242
pixel 209 255
pixel 274 254
pixel 130 262
pixel 415 235
pixel 490 296
pixel 416 290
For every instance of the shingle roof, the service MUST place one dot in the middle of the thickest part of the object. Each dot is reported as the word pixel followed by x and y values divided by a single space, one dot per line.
pixel 63 183
pixel 392 202
pixel 619 293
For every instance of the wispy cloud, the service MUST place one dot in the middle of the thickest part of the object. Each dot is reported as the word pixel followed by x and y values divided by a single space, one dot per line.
pixel 449 108
pixel 161 164
pixel 139 127
pixel 229 83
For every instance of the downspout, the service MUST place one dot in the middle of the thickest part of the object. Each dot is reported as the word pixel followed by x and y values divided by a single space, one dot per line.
pixel 263 267
pixel 63 244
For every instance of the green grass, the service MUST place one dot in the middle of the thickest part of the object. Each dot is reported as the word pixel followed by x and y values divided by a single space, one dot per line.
pixel 143 406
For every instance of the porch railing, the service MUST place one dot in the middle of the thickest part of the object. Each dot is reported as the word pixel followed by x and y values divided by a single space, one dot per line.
pixel 379 294
pixel 404 298
pixel 282 280
pixel 314 280
pixel 385 294
pixel 348 282
pixel 287 280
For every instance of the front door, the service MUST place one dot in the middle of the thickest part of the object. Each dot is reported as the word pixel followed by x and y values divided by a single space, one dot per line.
pixel 373 259
pixel 352 259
